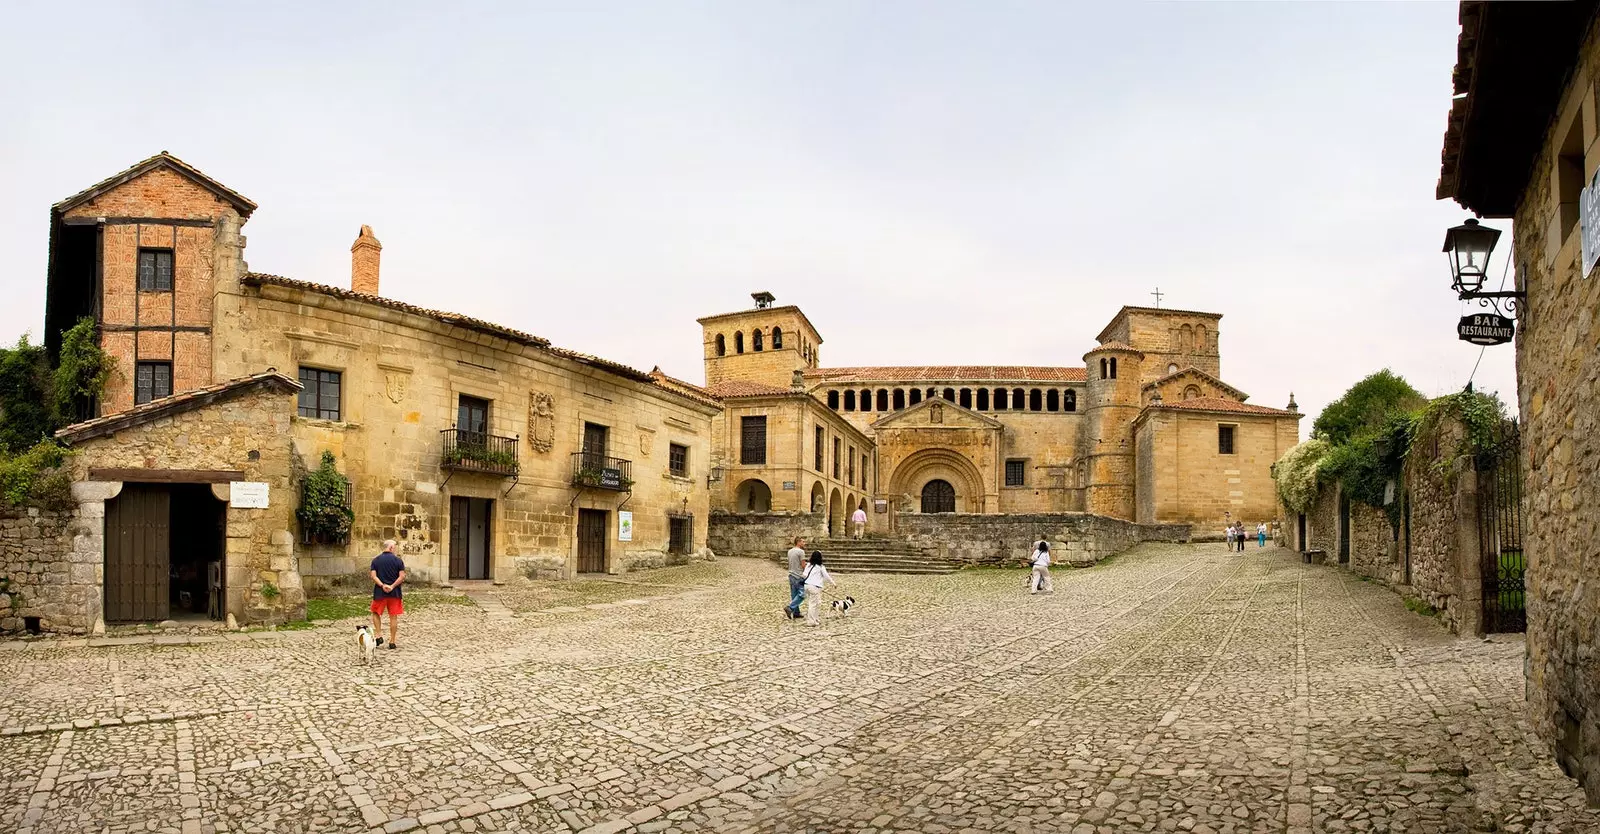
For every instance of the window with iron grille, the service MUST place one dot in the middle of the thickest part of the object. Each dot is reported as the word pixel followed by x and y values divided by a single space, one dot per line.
pixel 678 460
pixel 319 394
pixel 1016 472
pixel 836 445
pixel 152 381
pixel 821 441
pixel 155 270
pixel 1225 440
pixel 680 534
pixel 753 439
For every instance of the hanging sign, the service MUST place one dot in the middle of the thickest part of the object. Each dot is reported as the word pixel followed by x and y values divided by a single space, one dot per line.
pixel 250 494
pixel 624 526
pixel 1589 223
pixel 1486 329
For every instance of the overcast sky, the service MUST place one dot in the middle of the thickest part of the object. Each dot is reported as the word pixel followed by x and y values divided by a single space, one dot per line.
pixel 932 182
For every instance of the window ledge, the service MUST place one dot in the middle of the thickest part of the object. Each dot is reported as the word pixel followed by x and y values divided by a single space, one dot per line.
pixel 326 424
pixel 682 479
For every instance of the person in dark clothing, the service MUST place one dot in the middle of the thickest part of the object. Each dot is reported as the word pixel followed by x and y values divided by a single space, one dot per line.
pixel 388 571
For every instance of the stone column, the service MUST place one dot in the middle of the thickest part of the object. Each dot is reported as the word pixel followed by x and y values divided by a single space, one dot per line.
pixel 87 556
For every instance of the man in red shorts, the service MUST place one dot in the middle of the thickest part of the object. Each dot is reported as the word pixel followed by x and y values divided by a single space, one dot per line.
pixel 387 574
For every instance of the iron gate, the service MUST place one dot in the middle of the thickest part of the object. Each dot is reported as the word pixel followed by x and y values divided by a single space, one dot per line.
pixel 1500 533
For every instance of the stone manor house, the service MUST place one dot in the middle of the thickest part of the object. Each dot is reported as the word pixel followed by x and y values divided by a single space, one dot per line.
pixel 489 453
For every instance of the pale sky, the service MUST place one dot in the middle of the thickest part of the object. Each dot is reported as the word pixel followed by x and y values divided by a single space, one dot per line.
pixel 932 182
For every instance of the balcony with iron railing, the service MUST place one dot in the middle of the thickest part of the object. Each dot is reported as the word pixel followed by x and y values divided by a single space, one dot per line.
pixel 596 471
pixel 474 451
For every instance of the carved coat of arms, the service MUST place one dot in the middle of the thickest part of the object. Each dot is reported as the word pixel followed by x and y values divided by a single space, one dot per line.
pixel 541 421
pixel 394 385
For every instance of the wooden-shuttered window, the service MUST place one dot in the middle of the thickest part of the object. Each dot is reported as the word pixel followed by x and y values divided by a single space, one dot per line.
pixel 753 439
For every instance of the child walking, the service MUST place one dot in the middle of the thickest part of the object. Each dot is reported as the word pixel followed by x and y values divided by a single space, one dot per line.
pixel 1041 569
pixel 816 575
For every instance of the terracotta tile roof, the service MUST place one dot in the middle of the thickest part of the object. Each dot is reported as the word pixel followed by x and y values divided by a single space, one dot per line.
pixel 1229 406
pixel 1192 370
pixel 688 389
pixel 260 278
pixel 949 373
pixel 175 404
pixel 739 388
pixel 1115 346
pixel 163 159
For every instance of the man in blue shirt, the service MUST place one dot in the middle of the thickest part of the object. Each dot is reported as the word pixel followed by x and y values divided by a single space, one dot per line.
pixel 388 571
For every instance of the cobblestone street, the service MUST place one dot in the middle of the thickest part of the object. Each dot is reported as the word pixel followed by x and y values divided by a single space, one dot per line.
pixel 1175 688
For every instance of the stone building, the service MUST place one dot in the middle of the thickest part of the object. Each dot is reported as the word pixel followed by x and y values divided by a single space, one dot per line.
pixel 1521 144
pixel 487 452
pixel 1145 430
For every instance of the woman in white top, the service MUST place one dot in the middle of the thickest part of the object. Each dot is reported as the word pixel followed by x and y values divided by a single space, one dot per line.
pixel 815 576
pixel 1041 569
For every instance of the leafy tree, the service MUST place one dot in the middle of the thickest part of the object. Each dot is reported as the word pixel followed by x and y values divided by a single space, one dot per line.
pixel 26 416
pixel 80 374
pixel 1366 408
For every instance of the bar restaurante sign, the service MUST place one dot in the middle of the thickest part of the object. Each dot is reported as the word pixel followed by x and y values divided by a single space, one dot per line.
pixel 1486 329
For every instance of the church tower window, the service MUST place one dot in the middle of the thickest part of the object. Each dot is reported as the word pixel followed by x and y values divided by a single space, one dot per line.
pixel 1071 400
pixel 777 338
pixel 738 341
pixel 833 400
pixel 1113 361
pixel 722 345
pixel 755 340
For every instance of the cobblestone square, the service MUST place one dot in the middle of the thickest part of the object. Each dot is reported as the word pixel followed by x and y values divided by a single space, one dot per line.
pixel 1174 688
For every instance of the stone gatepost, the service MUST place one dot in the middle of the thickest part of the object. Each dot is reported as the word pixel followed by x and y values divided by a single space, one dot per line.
pixel 87 556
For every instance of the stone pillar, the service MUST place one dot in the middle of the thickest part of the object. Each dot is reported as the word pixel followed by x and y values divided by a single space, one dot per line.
pixel 87 556
pixel 1469 556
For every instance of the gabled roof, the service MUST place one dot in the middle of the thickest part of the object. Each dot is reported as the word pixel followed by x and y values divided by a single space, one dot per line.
pixel 269 379
pixel 1218 404
pixel 1158 311
pixel 687 389
pixel 160 160
pixel 1193 371
pixel 734 389
pixel 983 419
pixel 948 373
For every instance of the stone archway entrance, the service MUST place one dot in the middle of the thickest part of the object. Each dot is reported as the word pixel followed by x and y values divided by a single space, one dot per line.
pixel 836 514
pixel 938 496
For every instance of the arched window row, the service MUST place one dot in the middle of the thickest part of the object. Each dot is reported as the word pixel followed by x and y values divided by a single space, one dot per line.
pixel 758 342
pixel 978 399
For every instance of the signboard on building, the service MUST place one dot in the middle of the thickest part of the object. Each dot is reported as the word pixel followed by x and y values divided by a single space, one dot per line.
pixel 624 526
pixel 1486 329
pixel 610 478
pixel 1589 223
pixel 788 486
pixel 247 494
pixel 880 505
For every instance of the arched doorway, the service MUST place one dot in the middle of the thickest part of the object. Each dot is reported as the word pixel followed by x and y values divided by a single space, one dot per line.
pixel 909 477
pixel 754 496
pixel 836 514
pixel 938 496
pixel 818 497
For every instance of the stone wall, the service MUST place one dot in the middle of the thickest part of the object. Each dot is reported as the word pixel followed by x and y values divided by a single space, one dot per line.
pixel 1372 550
pixel 1322 524
pixel 1443 554
pixel 763 536
pixel 1075 538
pixel 46 578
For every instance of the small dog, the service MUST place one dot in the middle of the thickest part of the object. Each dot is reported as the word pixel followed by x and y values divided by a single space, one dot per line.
pixel 365 642
pixel 843 606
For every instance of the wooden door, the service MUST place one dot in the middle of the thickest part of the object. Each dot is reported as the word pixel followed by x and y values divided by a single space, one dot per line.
pixel 469 538
pixel 138 554
pixel 594 446
pixel 592 528
pixel 472 421
pixel 938 497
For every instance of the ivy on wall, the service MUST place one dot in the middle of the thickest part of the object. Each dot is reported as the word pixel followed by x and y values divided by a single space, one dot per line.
pixel 35 401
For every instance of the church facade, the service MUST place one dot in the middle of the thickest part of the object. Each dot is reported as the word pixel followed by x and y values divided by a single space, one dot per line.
pixel 1144 430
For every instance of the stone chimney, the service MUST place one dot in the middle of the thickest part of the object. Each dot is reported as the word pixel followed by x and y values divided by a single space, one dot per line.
pixel 364 254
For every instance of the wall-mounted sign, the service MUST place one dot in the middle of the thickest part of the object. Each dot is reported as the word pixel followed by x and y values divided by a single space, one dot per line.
pixel 624 526
pixel 1589 223
pixel 247 494
pixel 610 478
pixel 880 505
pixel 788 486
pixel 1486 329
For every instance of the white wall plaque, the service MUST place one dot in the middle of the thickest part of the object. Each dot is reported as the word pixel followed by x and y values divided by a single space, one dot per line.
pixel 624 526
pixel 247 494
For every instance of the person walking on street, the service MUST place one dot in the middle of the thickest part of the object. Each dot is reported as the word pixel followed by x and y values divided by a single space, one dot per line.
pixel 859 518
pixel 797 586
pixel 815 577
pixel 1040 560
pixel 387 571
pixel 1230 535
pixel 1240 537
pixel 1261 534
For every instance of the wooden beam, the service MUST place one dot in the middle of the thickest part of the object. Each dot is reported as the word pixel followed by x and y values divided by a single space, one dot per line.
pixel 129 221
pixel 168 476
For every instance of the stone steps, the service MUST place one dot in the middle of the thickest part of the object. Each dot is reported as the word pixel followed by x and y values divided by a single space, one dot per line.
pixel 877 555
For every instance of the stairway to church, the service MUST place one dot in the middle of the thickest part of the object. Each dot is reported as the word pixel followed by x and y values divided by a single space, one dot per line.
pixel 878 555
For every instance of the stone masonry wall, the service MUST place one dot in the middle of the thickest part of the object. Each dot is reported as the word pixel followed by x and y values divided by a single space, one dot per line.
pixel 44 582
pixel 1372 552
pixel 1075 538
pixel 763 536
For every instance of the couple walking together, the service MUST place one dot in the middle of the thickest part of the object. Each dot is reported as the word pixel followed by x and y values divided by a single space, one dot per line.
pixel 806 579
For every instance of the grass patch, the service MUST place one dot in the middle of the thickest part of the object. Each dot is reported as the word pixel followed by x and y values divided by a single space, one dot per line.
pixel 344 607
pixel 1420 607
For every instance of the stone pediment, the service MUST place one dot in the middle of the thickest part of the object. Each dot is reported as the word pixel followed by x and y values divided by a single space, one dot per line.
pixel 935 413
pixel 1191 373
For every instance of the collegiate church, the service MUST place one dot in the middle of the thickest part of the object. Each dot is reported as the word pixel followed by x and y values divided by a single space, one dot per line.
pixel 1144 430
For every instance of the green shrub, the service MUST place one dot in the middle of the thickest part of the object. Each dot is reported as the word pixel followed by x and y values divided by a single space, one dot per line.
pixel 34 477
pixel 325 513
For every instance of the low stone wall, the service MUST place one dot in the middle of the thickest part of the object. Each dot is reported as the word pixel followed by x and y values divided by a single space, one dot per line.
pixel 1075 538
pixel 1372 551
pixel 762 535
pixel 47 578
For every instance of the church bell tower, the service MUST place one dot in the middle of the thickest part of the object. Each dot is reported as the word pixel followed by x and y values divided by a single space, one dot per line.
pixel 765 344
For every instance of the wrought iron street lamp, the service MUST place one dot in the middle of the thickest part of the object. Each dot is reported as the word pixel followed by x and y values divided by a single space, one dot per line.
pixel 1468 247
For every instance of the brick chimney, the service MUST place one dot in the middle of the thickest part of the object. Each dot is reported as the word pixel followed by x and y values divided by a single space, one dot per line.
pixel 364 254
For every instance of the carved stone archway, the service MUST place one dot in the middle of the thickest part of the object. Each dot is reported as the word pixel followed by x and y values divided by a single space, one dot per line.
pixel 925 465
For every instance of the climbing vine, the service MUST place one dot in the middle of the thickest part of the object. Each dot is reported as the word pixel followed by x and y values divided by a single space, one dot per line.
pixel 325 514
pixel 81 373
pixel 1296 474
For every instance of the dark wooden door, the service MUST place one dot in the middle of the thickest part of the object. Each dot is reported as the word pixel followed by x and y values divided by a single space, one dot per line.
pixel 594 446
pixel 138 554
pixel 469 538
pixel 938 497
pixel 592 526
pixel 472 420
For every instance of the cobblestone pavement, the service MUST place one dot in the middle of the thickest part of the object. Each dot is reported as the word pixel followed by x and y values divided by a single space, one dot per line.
pixel 1176 688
